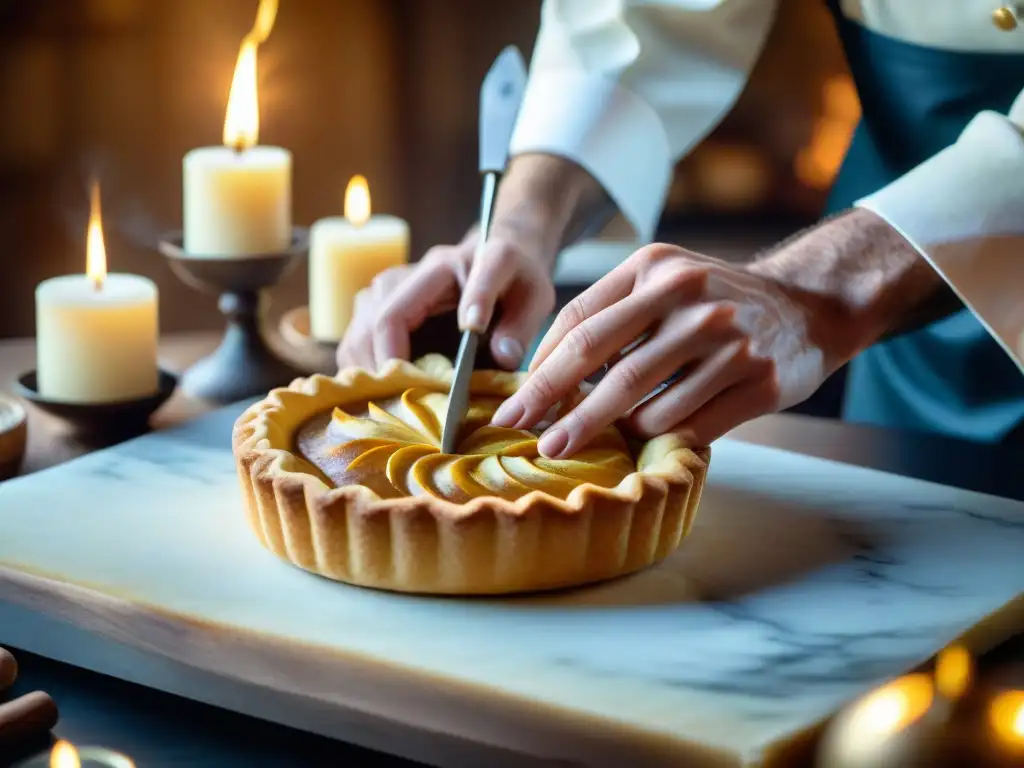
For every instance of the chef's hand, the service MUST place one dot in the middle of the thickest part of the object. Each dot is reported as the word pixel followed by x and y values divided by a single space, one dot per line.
pixel 541 202
pixel 747 340
pixel 747 345
pixel 507 276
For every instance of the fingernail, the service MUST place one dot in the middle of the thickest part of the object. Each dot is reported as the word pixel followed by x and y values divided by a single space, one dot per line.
pixel 473 319
pixel 508 414
pixel 510 349
pixel 553 442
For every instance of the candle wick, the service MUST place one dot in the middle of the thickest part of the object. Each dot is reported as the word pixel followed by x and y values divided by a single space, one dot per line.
pixel 238 146
pixel 97 284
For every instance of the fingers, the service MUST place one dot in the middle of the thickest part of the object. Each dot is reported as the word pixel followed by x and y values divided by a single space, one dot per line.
pixel 400 300
pixel 613 287
pixel 524 307
pixel 724 368
pixel 490 275
pixel 356 348
pixel 616 285
pixel 396 303
pixel 403 306
pixel 584 349
pixel 628 382
pixel 728 409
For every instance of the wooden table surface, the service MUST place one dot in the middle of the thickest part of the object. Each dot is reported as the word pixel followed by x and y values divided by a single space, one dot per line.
pixel 164 730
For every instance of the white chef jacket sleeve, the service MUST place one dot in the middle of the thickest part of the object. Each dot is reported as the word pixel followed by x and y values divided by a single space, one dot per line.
pixel 624 88
pixel 963 209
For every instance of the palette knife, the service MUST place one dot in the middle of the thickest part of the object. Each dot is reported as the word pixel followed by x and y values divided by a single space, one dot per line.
pixel 500 97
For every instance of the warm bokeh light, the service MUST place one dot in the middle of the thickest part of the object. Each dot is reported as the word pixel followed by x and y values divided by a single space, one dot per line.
pixel 953 671
pixel 1006 715
pixel 242 118
pixel 892 707
pixel 357 201
pixel 817 164
pixel 64 755
pixel 95 249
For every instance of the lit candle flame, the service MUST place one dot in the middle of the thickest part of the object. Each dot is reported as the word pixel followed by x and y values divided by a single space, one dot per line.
pixel 95 249
pixel 265 16
pixel 953 670
pixel 357 201
pixel 64 755
pixel 242 118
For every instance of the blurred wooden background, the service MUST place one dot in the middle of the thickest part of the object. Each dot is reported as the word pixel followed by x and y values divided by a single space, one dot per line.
pixel 121 89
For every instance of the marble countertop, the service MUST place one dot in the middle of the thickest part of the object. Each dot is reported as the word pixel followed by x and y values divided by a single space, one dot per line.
pixel 804 583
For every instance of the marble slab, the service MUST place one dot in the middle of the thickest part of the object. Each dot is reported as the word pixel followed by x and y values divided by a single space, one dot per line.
pixel 804 583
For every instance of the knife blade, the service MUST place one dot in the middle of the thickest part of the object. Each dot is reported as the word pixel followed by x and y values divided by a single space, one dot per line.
pixel 500 97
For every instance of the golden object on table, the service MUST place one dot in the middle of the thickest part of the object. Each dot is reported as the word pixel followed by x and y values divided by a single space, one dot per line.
pixel 954 670
pixel 906 723
pixel 343 477
pixel 1006 719
pixel 13 436
pixel 65 755
pixel 888 728
pixel 1005 18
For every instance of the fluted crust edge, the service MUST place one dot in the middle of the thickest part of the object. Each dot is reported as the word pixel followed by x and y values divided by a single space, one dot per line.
pixel 432 546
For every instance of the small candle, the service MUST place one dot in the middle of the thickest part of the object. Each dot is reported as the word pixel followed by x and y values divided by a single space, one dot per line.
pixel 345 253
pixel 237 198
pixel 910 721
pixel 65 755
pixel 96 334
pixel 1006 719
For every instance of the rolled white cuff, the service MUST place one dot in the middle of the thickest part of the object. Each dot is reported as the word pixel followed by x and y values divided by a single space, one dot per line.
pixel 972 188
pixel 963 210
pixel 609 131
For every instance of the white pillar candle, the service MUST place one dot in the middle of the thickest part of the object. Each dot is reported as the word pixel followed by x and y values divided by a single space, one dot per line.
pixel 96 345
pixel 237 203
pixel 96 334
pixel 345 253
pixel 237 199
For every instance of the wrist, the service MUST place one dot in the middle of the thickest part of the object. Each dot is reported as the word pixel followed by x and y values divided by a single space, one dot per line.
pixel 542 201
pixel 859 278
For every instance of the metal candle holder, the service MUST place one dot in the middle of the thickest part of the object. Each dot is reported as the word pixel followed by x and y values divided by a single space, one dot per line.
pixel 244 365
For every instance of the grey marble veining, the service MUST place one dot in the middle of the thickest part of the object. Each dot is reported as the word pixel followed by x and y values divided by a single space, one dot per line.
pixel 804 583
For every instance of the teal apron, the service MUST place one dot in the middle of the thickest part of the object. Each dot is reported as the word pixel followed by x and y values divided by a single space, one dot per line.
pixel 950 377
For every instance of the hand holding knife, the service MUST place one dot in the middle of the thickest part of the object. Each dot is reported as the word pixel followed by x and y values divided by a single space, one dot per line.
pixel 500 97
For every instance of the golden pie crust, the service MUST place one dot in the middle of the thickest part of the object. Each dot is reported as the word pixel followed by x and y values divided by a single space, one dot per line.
pixel 496 519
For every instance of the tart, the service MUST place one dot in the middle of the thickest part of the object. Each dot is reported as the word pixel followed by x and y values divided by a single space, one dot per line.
pixel 342 476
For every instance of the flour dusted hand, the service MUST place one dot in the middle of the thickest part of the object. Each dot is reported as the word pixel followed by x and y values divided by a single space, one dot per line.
pixel 742 341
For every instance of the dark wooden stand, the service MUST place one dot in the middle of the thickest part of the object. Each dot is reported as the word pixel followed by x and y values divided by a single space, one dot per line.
pixel 243 365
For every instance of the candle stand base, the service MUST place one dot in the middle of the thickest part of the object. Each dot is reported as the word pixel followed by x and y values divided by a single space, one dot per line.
pixel 244 365
pixel 116 419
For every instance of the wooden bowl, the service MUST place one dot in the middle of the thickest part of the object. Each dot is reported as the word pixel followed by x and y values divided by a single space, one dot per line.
pixel 13 436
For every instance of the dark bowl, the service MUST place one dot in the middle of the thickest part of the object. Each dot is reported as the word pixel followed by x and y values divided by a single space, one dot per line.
pixel 117 417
